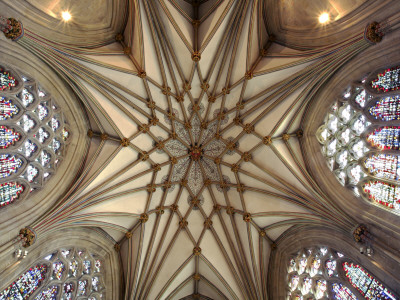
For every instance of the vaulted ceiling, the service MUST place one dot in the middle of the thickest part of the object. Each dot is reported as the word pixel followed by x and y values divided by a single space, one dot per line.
pixel 195 166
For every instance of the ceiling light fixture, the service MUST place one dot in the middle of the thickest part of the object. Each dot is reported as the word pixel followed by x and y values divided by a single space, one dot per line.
pixel 323 18
pixel 66 16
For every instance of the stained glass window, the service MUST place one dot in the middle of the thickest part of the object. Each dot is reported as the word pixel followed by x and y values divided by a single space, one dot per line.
pixel 7 109
pixel 385 138
pixel 82 286
pixel 8 137
pixel 8 165
pixel 9 191
pixel 48 294
pixel 341 292
pixel 6 80
pixel 33 122
pixel 388 80
pixel 383 193
pixel 25 285
pixel 384 166
pixel 365 283
pixel 386 109
pixel 358 153
pixel 61 278
pixel 58 269
pixel 322 280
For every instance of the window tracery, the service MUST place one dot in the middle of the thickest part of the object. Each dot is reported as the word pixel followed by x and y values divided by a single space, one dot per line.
pixel 323 273
pixel 360 139
pixel 64 274
pixel 33 136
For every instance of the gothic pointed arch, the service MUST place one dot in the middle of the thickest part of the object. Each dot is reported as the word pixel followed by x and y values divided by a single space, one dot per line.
pixel 68 269
pixel 41 123
pixel 314 263
pixel 371 119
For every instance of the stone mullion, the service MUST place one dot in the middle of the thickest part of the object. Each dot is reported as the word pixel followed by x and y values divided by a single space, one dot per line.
pixel 248 278
pixel 213 286
pixel 155 29
pixel 128 272
pixel 319 207
pixel 254 263
pixel 183 219
pixel 205 225
pixel 320 194
pixel 220 20
pixel 242 272
pixel 231 41
pixel 272 185
pixel 262 269
pixel 234 272
pixel 174 24
pixel 145 287
pixel 162 238
pixel 226 285
pixel 162 33
pixel 66 62
pixel 52 216
pixel 179 287
pixel 176 273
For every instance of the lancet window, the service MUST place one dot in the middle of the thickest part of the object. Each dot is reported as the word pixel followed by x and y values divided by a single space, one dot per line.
pixel 33 135
pixel 324 273
pixel 64 274
pixel 360 138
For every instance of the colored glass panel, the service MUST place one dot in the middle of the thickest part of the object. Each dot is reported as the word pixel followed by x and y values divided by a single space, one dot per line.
pixel 82 286
pixel 383 193
pixel 58 269
pixel 341 292
pixel 48 294
pixel 360 98
pixel 97 266
pixel 9 192
pixel 294 282
pixel 385 138
pixel 307 284
pixel 330 267
pixel 65 134
pixel 27 123
pixel 384 166
pixel 73 268
pixel 388 80
pixel 31 173
pixel 45 158
pixel 8 165
pixel 315 264
pixel 68 290
pixel 54 124
pixel 42 135
pixel 6 80
pixel 42 112
pixel 386 109
pixel 95 284
pixel 30 148
pixel 365 283
pixel 8 137
pixel 26 97
pixel 87 266
pixel 320 288
pixel 7 109
pixel 25 285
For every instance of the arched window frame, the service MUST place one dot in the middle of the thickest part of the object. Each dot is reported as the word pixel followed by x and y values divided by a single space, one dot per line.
pixel 348 96
pixel 52 123
pixel 338 276
pixel 101 247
